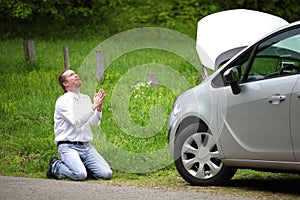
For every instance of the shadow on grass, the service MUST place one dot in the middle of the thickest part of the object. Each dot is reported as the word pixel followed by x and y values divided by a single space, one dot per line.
pixel 289 186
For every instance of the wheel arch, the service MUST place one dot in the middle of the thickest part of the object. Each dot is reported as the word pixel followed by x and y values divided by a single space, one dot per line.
pixel 189 120
pixel 184 123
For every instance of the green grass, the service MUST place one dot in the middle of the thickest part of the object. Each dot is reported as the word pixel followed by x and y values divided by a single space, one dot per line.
pixel 28 95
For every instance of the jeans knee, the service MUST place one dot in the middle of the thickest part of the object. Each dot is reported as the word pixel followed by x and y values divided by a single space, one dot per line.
pixel 106 175
pixel 80 176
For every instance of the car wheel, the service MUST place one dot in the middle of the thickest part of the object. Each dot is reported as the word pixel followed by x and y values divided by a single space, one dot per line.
pixel 197 157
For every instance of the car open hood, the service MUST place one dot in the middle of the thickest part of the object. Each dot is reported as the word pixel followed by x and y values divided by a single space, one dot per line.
pixel 222 35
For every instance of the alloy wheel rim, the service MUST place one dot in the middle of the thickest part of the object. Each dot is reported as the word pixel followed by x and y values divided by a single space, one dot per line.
pixel 200 156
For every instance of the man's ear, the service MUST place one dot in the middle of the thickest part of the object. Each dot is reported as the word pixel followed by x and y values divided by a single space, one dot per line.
pixel 65 83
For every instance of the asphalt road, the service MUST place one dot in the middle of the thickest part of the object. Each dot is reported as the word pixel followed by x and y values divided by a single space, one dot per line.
pixel 12 188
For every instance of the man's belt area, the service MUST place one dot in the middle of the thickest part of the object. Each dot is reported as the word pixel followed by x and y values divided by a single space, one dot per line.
pixel 70 142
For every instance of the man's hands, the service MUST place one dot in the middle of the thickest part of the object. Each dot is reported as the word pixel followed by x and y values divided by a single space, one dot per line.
pixel 98 100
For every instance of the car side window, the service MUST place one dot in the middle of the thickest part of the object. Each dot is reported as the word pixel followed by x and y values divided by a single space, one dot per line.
pixel 276 57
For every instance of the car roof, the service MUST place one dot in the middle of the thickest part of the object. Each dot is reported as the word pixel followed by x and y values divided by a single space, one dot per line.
pixel 222 35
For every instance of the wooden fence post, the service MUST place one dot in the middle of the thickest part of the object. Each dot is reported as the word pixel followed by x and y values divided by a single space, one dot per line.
pixel 99 65
pixel 29 51
pixel 66 57
pixel 153 79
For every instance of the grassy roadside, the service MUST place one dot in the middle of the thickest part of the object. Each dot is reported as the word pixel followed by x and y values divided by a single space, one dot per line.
pixel 27 98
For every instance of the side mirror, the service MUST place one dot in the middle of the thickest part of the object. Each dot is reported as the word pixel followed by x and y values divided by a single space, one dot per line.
pixel 232 77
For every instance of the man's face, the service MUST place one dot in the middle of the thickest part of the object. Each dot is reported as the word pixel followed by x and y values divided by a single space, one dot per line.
pixel 72 80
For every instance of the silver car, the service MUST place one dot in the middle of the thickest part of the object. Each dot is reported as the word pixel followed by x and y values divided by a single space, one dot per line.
pixel 246 114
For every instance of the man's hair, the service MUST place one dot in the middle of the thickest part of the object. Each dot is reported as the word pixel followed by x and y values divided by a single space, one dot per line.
pixel 61 80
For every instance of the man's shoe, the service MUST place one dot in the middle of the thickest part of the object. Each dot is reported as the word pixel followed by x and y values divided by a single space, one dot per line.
pixel 49 172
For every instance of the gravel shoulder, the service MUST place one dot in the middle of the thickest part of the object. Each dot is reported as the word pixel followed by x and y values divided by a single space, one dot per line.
pixel 33 188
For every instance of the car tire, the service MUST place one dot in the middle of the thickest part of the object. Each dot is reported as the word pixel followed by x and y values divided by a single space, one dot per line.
pixel 197 157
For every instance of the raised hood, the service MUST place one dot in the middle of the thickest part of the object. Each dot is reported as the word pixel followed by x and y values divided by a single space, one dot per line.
pixel 222 35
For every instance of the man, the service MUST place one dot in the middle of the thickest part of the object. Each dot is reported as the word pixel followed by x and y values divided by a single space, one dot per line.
pixel 74 113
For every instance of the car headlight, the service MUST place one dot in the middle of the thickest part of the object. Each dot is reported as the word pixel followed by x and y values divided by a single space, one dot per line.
pixel 177 105
pixel 176 108
pixel 175 111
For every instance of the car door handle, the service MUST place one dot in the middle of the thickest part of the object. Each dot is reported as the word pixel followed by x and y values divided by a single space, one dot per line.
pixel 298 94
pixel 276 99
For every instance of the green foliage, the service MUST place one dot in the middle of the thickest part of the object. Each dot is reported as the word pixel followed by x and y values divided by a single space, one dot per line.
pixel 42 19
pixel 19 9
pixel 32 19
pixel 285 9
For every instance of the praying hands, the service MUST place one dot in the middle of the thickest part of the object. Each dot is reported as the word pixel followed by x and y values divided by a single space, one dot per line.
pixel 98 99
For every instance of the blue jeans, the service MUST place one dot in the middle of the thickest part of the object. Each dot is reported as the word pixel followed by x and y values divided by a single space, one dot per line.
pixel 77 159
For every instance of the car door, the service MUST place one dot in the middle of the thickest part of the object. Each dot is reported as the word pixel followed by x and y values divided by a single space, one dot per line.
pixel 257 120
pixel 258 125
pixel 295 119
